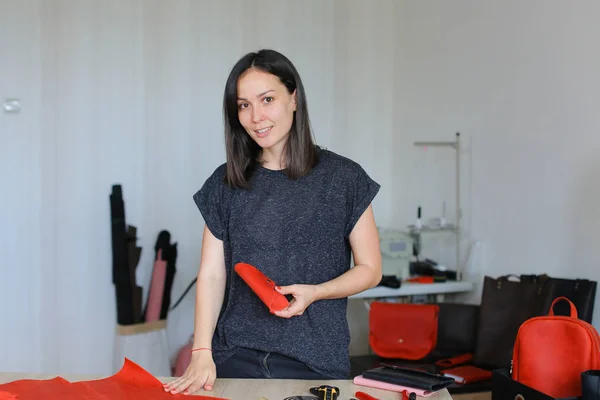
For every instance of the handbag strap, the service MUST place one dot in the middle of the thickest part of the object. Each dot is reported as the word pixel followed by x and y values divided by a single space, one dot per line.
pixel 506 278
pixel 539 280
pixel 573 308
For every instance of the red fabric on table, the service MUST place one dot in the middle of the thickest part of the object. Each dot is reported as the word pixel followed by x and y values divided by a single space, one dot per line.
pixel 51 389
pixel 131 382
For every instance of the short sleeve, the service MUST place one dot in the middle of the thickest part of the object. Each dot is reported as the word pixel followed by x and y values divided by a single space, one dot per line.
pixel 363 190
pixel 211 200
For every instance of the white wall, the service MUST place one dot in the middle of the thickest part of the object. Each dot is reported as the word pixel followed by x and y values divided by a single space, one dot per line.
pixel 520 79
pixel 21 191
pixel 144 80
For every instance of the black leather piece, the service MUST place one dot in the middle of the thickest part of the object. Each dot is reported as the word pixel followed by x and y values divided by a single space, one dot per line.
pixel 457 328
pixel 133 253
pixel 125 257
pixel 408 377
pixel 170 255
pixel 390 281
pixel 120 259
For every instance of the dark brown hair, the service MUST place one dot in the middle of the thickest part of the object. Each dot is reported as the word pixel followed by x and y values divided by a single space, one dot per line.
pixel 242 151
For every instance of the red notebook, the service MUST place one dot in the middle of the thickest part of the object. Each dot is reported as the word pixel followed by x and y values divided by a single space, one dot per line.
pixel 262 286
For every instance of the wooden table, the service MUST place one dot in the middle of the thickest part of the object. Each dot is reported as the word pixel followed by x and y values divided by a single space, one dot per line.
pixel 256 389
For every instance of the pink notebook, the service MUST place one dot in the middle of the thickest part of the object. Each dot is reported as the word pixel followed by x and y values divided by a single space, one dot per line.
pixel 360 381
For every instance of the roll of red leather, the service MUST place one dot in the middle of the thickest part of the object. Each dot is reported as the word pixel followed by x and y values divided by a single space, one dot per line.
pixel 263 286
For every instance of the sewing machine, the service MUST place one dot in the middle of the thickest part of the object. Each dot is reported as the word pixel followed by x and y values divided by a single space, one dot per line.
pixel 396 252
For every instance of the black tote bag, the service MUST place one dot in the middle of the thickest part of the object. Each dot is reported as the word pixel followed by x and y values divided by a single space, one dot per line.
pixel 581 292
pixel 506 303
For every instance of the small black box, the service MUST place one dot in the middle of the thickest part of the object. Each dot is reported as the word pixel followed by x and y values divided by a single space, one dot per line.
pixel 506 388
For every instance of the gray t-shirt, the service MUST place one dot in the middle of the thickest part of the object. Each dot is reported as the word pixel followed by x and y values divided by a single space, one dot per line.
pixel 295 232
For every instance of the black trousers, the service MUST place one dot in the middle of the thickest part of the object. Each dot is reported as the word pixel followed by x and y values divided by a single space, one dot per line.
pixel 250 363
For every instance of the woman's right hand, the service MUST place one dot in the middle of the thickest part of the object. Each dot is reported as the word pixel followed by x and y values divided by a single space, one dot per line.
pixel 201 373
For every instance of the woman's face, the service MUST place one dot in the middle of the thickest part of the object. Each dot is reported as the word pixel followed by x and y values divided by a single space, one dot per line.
pixel 265 108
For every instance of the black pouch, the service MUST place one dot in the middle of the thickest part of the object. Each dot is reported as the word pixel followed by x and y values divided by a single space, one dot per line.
pixel 408 377
pixel 506 388
pixel 590 385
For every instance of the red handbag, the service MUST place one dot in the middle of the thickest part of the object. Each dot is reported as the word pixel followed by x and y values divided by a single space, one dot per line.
pixel 405 331
pixel 551 352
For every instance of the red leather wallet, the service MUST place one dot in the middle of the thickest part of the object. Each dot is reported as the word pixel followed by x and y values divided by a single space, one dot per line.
pixel 262 286
pixel 454 361
pixel 467 374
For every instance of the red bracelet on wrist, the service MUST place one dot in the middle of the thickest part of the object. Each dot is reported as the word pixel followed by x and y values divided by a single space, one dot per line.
pixel 200 348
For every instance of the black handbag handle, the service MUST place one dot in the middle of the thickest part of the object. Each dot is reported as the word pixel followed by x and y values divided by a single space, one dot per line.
pixel 506 278
pixel 541 280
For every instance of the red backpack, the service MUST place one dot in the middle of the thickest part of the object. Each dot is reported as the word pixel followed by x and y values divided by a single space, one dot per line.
pixel 551 352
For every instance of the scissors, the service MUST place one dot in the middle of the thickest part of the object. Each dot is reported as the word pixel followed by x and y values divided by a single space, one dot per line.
pixel 326 392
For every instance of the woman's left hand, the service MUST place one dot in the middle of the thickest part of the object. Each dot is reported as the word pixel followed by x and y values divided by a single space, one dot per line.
pixel 304 295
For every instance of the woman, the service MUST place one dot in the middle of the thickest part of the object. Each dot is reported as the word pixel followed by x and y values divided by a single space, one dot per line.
pixel 296 212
